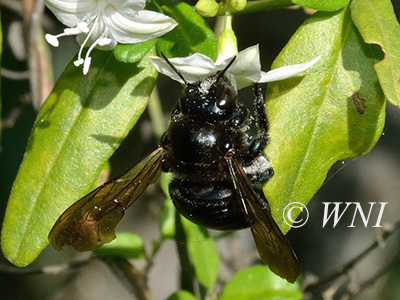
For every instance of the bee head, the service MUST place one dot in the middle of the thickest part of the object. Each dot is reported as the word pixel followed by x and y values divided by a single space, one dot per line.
pixel 213 96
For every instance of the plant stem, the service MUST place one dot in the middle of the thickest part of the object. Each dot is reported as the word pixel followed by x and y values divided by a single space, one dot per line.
pixel 48 270
pixel 187 270
pixel 131 277
pixel 156 113
pixel 350 265
pixel 150 259
pixel 262 5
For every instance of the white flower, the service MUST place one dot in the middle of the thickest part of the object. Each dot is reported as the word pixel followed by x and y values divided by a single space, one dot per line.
pixel 104 23
pixel 245 70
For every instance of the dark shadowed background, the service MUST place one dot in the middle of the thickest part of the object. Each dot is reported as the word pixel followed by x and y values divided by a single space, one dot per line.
pixel 374 177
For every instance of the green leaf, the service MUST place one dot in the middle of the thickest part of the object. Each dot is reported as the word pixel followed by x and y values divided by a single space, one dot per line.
pixel 1 50
pixel 314 121
pixel 132 53
pixel 377 23
pixel 82 122
pixel 190 36
pixel 325 5
pixel 166 222
pixel 182 295
pixel 203 253
pixel 126 244
pixel 258 282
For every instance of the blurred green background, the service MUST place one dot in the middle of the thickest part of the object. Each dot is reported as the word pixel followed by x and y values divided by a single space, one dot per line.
pixel 374 177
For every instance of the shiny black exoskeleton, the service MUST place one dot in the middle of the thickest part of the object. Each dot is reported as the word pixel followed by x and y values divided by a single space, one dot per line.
pixel 205 125
pixel 218 169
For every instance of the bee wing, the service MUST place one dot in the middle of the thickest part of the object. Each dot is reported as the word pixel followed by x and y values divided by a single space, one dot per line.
pixel 91 221
pixel 273 247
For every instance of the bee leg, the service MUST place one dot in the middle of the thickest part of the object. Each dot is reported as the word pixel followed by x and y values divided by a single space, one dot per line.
pixel 260 111
pixel 175 110
pixel 261 197
pixel 259 143
pixel 259 169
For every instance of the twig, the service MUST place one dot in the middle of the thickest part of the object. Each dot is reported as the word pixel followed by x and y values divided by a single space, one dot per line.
pixel 367 283
pixel 150 259
pixel 261 5
pixel 16 7
pixel 47 270
pixel 349 265
pixel 32 25
pixel 40 75
pixel 131 277
pixel 187 277
pixel 13 5
pixel 332 289
pixel 14 75
pixel 14 114
pixel 156 113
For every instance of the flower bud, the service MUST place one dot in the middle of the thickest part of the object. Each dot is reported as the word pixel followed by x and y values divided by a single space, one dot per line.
pixel 237 5
pixel 227 43
pixel 207 8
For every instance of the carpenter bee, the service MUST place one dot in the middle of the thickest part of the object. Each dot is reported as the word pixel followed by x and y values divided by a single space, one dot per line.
pixel 218 169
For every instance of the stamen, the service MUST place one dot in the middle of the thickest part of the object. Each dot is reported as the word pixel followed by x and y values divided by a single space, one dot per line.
pixel 101 41
pixel 73 31
pixel 83 27
pixel 86 65
pixel 53 39
pixel 105 41
pixel 79 61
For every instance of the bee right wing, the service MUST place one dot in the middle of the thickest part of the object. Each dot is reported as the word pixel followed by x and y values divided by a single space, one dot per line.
pixel 272 245
pixel 91 221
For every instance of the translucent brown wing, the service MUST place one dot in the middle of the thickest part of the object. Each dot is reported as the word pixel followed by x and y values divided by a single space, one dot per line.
pixel 90 222
pixel 273 247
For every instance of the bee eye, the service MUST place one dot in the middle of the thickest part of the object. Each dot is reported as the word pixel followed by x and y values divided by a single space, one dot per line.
pixel 227 98
pixel 183 97
pixel 182 101
pixel 187 97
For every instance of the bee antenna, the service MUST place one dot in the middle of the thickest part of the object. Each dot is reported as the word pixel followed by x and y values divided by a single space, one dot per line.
pixel 175 69
pixel 220 75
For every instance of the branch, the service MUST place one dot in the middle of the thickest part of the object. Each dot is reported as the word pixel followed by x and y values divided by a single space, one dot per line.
pixel 10 120
pixel 14 75
pixel 367 283
pixel 187 270
pixel 346 268
pixel 14 6
pixel 261 5
pixel 37 52
pixel 131 277
pixel 47 270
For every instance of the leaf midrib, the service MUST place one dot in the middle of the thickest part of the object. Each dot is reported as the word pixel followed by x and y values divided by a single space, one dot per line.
pixel 56 159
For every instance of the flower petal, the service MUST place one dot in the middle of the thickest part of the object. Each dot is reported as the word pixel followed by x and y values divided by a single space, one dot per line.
pixel 247 67
pixel 143 26
pixel 287 71
pixel 247 62
pixel 97 30
pixel 244 71
pixel 70 12
pixel 192 68
pixel 128 6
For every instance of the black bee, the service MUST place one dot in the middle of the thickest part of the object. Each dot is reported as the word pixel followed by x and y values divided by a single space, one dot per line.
pixel 218 169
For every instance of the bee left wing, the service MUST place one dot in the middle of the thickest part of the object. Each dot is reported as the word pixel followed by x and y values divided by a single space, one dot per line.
pixel 91 221
pixel 273 247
